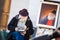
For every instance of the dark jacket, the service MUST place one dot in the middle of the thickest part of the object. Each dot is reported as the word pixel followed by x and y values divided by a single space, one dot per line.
pixel 45 37
pixel 13 24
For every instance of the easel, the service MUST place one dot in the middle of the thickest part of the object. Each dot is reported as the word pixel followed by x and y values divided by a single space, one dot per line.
pixel 46 28
pixel 43 30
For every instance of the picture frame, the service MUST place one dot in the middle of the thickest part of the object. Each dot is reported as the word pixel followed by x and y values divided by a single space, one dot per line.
pixel 44 10
pixel 54 1
pixel 58 19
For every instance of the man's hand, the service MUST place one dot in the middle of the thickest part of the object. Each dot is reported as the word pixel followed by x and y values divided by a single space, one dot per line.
pixel 24 32
pixel 16 29
pixel 26 28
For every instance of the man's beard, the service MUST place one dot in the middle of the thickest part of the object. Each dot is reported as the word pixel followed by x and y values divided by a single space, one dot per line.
pixel 51 17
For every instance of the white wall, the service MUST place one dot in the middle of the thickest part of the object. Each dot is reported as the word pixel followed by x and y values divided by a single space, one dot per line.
pixel 32 6
pixel 17 5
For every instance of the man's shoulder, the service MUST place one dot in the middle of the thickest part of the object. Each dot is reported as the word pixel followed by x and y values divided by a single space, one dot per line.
pixel 15 17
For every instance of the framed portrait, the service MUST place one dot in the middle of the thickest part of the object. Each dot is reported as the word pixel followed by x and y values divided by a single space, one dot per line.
pixel 54 1
pixel 58 19
pixel 48 14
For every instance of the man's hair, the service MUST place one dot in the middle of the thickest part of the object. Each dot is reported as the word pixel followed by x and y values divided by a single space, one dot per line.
pixel 54 12
pixel 24 12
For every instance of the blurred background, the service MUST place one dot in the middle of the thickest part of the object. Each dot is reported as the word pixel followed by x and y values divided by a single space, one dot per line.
pixel 9 8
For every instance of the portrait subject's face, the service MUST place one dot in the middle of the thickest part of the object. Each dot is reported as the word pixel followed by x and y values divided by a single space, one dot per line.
pixel 51 16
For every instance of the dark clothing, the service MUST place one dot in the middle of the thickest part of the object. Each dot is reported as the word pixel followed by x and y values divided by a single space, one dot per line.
pixel 13 24
pixel 45 20
pixel 48 37
pixel 16 36
pixel 45 37
pixel 10 37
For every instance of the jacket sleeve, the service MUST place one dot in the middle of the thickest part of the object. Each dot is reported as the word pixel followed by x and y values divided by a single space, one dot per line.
pixel 12 24
pixel 30 28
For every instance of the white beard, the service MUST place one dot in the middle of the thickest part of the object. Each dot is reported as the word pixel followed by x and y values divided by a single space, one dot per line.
pixel 51 18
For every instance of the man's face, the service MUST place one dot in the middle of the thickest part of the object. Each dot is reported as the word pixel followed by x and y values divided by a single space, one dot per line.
pixel 57 38
pixel 51 16
pixel 23 17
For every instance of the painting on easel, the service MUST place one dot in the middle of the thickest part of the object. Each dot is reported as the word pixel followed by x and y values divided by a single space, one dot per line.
pixel 48 15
